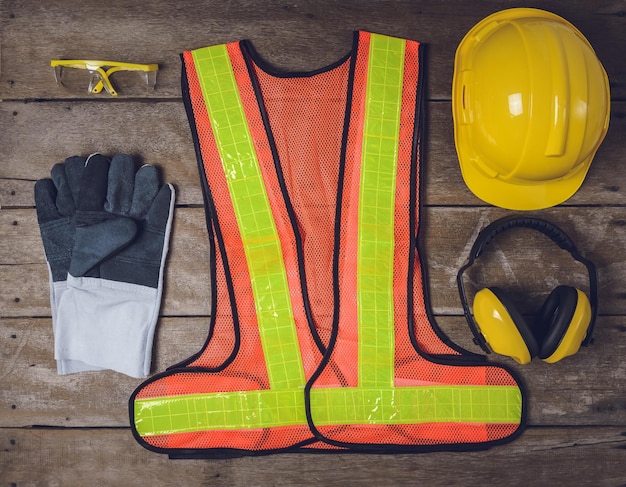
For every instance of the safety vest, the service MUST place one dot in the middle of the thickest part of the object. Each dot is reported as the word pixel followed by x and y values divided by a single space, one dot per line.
pixel 319 337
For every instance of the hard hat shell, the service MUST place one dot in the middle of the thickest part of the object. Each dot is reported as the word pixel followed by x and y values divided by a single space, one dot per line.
pixel 531 104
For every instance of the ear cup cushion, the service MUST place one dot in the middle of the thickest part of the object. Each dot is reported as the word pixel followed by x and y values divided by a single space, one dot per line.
pixel 554 319
pixel 519 320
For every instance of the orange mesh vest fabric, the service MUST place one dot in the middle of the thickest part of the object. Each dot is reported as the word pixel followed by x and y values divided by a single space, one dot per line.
pixel 319 336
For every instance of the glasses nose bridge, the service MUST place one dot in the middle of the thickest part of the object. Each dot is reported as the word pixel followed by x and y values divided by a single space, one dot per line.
pixel 100 79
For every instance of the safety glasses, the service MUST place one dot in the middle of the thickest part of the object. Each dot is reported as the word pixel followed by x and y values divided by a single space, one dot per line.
pixel 75 74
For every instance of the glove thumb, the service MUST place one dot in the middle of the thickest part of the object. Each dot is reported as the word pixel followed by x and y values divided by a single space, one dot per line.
pixel 95 243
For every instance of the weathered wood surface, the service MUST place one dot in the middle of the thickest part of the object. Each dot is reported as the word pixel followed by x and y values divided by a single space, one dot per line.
pixel 563 394
pixel 318 33
pixel 38 134
pixel 522 261
pixel 73 430
pixel 546 456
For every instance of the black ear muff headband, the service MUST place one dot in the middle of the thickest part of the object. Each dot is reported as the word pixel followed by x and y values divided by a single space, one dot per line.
pixel 557 235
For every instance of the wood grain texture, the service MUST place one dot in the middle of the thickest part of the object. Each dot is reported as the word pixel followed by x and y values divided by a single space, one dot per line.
pixel 318 33
pixel 73 430
pixel 522 261
pixel 578 391
pixel 37 135
pixel 585 457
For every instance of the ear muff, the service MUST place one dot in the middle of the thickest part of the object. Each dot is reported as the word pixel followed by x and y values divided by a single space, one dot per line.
pixel 562 323
pixel 503 327
pixel 565 321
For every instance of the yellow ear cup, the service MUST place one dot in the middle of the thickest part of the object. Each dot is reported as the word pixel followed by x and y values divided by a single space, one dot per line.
pixel 498 327
pixel 576 330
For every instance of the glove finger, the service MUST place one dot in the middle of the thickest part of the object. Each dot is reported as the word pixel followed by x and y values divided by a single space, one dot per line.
pixel 74 167
pixel 93 188
pixel 64 200
pixel 146 189
pixel 120 185
pixel 159 213
pixel 45 197
pixel 66 177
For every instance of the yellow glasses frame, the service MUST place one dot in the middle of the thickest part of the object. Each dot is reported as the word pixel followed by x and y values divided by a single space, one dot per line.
pixel 101 72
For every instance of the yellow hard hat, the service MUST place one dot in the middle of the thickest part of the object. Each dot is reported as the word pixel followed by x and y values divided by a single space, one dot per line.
pixel 531 103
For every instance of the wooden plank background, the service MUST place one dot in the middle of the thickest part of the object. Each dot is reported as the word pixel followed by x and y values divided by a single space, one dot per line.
pixel 73 430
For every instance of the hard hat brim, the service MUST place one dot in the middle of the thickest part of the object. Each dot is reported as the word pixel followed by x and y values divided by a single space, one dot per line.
pixel 527 196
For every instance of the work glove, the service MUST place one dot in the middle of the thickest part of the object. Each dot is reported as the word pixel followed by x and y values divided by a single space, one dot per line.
pixel 105 230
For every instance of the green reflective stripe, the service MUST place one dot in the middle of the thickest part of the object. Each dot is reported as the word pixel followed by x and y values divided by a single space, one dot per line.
pixel 376 211
pixel 266 409
pixel 254 217
pixel 416 405
pixel 220 411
